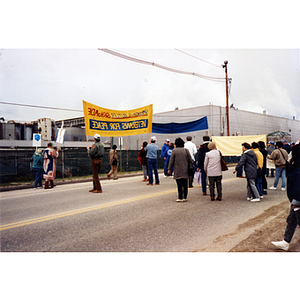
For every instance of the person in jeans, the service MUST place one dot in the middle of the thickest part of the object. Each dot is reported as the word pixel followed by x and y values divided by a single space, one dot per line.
pixel 293 193
pixel 201 156
pixel 260 164
pixel 279 156
pixel 164 154
pixel 152 152
pixel 38 167
pixel 180 160
pixel 249 161
pixel 213 169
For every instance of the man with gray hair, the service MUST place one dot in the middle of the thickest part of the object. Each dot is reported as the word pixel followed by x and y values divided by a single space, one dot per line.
pixel 96 153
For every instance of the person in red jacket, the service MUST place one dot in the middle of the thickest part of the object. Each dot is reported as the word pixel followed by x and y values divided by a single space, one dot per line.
pixel 143 161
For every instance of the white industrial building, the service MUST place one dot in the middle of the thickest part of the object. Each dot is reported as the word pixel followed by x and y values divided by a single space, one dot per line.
pixel 240 123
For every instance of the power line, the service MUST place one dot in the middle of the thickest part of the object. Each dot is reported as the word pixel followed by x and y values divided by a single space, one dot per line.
pixel 199 58
pixel 38 106
pixel 115 53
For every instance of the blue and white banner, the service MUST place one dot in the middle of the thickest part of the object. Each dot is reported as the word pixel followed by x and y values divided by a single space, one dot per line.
pixel 169 128
pixel 60 136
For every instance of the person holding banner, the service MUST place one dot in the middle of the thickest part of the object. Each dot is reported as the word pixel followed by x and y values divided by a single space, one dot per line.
pixel 49 155
pixel 96 153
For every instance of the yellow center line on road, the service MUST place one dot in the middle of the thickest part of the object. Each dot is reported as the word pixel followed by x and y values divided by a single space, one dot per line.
pixel 88 209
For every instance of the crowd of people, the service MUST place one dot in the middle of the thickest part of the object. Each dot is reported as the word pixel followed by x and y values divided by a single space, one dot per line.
pixel 255 161
pixel 182 160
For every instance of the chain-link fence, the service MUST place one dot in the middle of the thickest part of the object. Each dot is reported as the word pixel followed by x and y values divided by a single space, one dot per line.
pixel 16 164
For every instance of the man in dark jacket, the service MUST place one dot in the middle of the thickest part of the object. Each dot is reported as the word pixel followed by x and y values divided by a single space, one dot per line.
pixel 293 193
pixel 96 153
pixel 201 156
pixel 249 161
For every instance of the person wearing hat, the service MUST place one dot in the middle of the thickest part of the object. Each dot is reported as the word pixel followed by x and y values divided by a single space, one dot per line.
pixel 249 161
pixel 38 167
pixel 164 150
pixel 152 152
pixel 287 147
pixel 96 153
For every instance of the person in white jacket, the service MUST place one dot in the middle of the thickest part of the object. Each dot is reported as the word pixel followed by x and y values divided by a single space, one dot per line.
pixel 193 151
pixel 213 170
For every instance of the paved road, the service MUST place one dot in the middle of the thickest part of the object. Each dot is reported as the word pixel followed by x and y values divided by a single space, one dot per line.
pixel 127 216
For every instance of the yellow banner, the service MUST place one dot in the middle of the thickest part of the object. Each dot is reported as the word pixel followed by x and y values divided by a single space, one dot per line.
pixel 232 145
pixel 107 122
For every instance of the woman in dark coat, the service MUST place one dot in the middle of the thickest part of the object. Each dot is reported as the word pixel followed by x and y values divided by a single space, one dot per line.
pixel 180 161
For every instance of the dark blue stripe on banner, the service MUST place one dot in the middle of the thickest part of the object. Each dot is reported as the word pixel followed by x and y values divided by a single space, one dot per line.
pixel 118 126
pixel 200 124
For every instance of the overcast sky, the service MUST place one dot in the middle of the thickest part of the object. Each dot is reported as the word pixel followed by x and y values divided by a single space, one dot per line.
pixel 261 80
pixel 49 56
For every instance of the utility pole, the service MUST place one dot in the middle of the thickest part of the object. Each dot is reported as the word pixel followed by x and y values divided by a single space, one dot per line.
pixel 227 96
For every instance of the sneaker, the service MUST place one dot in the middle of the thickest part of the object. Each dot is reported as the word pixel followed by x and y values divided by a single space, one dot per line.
pixel 255 200
pixel 283 189
pixel 272 188
pixel 248 199
pixel 179 200
pixel 282 245
pixel 261 197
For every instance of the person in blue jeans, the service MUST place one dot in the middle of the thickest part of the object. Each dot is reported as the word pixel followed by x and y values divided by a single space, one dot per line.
pixel 152 152
pixel 201 156
pixel 164 154
pixel 279 156
pixel 169 152
pixel 38 167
